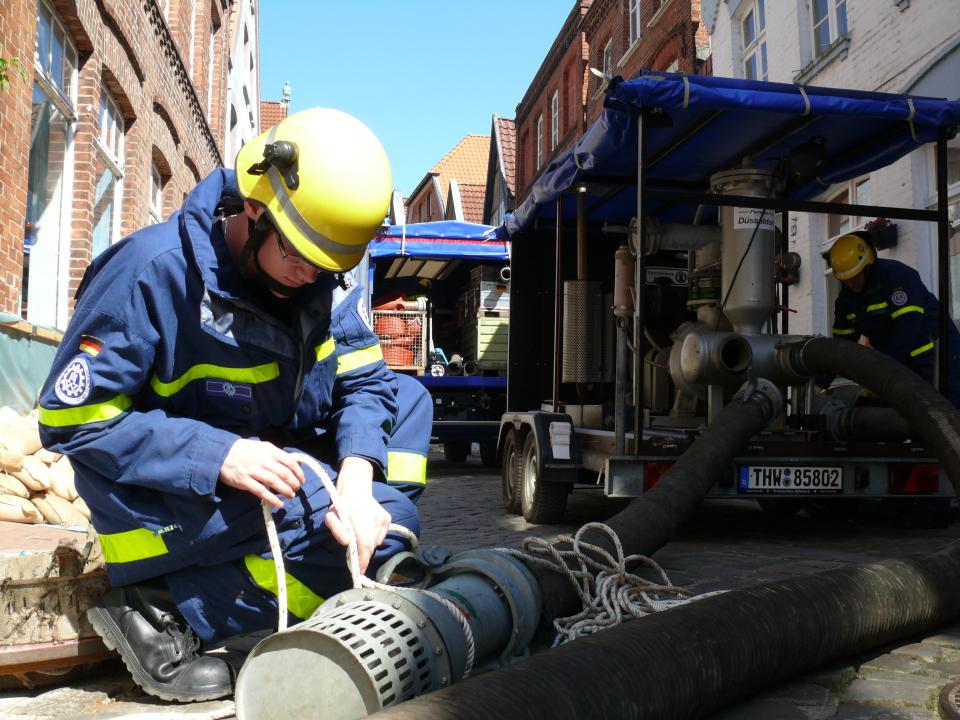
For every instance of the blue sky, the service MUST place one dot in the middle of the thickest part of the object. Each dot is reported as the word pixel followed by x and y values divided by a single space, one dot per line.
pixel 421 73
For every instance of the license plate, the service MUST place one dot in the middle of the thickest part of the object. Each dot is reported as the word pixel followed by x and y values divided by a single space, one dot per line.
pixel 787 479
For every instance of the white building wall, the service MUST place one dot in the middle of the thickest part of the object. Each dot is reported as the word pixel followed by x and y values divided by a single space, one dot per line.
pixel 243 80
pixel 891 44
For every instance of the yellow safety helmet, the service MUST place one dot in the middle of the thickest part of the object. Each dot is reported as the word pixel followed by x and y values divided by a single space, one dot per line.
pixel 324 180
pixel 850 254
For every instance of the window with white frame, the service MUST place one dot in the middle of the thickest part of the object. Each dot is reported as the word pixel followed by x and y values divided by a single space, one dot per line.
pixel 554 120
pixel 108 187
pixel 753 34
pixel 634 14
pixel 191 38
pixel 953 214
pixel 829 19
pixel 607 62
pixel 856 192
pixel 539 141
pixel 156 194
pixel 46 235
pixel 211 52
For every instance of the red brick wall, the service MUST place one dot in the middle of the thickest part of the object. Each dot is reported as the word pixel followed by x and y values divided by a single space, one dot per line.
pixel 562 70
pixel 674 35
pixel 130 50
pixel 17 28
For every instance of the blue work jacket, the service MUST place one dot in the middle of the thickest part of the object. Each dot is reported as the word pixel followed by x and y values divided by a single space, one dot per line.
pixel 899 316
pixel 169 358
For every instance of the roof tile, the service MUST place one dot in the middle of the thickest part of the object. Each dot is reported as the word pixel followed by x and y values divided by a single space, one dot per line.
pixel 507 132
pixel 271 112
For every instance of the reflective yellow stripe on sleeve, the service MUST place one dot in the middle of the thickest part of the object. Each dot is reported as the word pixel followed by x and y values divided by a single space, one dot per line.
pixel 852 316
pixel 905 310
pixel 132 545
pixel 922 349
pixel 878 306
pixel 85 414
pixel 257 374
pixel 301 600
pixel 325 349
pixel 840 331
pixel 406 467
pixel 356 359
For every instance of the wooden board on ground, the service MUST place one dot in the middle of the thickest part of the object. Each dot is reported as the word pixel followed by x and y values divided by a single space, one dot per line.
pixel 49 576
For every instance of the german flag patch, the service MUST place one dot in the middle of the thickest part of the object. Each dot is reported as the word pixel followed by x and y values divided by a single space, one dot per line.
pixel 90 345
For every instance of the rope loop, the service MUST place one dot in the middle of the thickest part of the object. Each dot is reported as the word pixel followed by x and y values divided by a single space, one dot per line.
pixel 353 562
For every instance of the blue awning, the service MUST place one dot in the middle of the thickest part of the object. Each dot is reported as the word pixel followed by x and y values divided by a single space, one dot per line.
pixel 446 239
pixel 712 124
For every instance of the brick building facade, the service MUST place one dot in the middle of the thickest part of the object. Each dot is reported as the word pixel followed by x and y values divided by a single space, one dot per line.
pixel 893 47
pixel 626 36
pixel 121 110
pixel 610 37
pixel 550 116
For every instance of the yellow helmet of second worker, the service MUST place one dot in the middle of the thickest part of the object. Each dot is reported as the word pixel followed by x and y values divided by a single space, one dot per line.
pixel 850 254
pixel 324 180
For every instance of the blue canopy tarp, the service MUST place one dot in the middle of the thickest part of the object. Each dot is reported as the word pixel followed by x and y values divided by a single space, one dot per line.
pixel 712 124
pixel 446 239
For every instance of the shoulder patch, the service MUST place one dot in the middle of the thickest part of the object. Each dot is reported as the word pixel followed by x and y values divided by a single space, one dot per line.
pixel 74 384
pixel 899 297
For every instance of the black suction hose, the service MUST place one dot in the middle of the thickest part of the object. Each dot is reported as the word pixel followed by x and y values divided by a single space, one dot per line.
pixel 694 659
pixel 873 424
pixel 931 417
pixel 697 658
pixel 648 522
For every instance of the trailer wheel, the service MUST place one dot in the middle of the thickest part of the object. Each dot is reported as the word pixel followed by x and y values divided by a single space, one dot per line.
pixel 541 502
pixel 456 451
pixel 488 453
pixel 510 473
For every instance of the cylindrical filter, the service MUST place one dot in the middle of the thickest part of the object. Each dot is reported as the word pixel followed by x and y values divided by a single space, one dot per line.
pixel 369 650
pixel 748 250
pixel 582 330
pixel 623 272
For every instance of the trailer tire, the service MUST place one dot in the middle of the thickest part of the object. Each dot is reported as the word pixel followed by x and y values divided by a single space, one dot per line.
pixel 541 502
pixel 510 473
pixel 456 451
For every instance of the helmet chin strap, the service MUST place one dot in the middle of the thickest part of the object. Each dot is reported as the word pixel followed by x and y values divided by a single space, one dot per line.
pixel 257 232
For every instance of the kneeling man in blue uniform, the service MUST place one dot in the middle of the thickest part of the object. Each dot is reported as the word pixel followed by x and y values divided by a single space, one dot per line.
pixel 201 353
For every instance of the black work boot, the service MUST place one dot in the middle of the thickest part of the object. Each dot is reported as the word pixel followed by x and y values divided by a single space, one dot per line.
pixel 142 623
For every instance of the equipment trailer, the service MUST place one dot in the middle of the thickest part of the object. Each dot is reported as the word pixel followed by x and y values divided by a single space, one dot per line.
pixel 631 330
pixel 439 293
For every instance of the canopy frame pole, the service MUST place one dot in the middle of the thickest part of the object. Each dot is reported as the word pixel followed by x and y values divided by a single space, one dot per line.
pixel 639 312
pixel 943 262
pixel 558 308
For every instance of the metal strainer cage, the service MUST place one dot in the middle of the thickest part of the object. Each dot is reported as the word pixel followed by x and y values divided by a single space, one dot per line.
pixel 358 654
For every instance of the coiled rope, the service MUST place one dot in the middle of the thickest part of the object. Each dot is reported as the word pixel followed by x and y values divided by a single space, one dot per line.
pixel 610 592
pixel 353 562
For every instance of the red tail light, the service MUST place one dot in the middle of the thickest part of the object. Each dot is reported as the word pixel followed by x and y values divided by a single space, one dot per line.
pixel 653 470
pixel 919 479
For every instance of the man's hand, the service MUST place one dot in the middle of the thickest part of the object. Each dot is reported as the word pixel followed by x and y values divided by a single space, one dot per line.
pixel 259 468
pixel 358 509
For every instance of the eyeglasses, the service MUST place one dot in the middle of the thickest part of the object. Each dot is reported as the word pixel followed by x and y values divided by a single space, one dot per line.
pixel 291 255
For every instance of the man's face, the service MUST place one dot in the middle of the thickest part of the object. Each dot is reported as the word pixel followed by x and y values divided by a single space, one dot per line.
pixel 280 261
pixel 856 283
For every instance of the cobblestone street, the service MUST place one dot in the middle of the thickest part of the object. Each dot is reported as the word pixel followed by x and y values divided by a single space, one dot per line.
pixel 725 546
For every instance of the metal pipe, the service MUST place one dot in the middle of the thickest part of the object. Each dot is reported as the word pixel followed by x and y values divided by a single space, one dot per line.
pixel 943 264
pixel 581 234
pixel 620 389
pixel 639 312
pixel 558 307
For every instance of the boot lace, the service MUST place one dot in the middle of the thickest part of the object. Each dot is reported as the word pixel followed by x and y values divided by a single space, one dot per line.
pixel 185 640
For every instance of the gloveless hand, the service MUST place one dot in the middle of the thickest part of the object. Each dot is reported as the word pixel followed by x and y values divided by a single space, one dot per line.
pixel 358 509
pixel 261 468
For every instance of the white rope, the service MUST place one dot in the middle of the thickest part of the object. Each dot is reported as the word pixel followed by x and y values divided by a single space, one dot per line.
pixel 353 562
pixel 609 591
